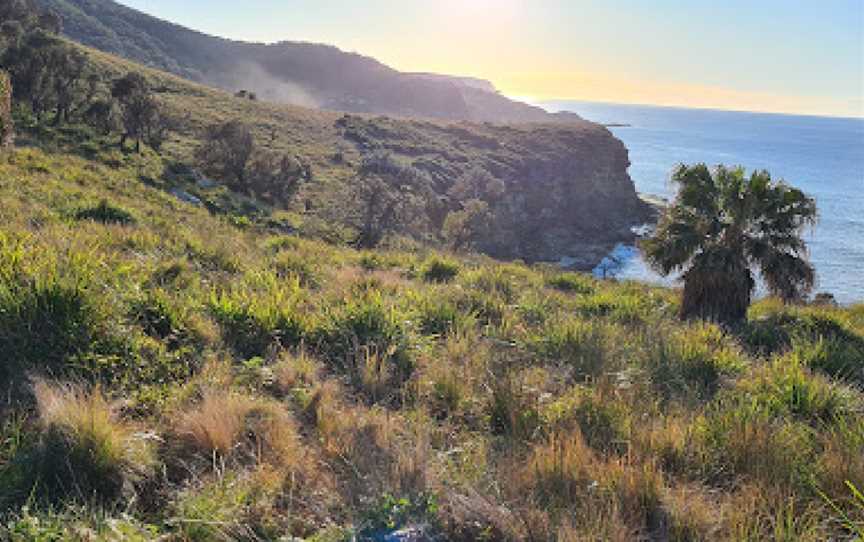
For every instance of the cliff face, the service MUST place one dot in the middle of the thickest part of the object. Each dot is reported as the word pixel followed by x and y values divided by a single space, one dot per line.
pixel 573 199
pixel 568 193
pixel 6 126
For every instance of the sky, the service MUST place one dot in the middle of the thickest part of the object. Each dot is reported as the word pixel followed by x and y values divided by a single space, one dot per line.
pixel 790 56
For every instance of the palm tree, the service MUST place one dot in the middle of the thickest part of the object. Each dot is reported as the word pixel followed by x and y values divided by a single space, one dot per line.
pixel 721 228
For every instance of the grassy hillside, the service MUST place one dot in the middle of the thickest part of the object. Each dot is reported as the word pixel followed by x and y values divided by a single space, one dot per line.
pixel 169 372
pixel 582 164
pixel 308 74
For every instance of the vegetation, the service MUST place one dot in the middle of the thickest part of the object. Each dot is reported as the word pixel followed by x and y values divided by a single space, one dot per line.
pixel 721 226
pixel 219 395
pixel 183 361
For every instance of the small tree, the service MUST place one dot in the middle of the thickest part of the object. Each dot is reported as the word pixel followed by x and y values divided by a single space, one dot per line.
pixel 721 227
pixel 140 114
pixel 464 228
pixel 387 197
pixel 477 184
pixel 225 153
pixel 275 177
pixel 29 64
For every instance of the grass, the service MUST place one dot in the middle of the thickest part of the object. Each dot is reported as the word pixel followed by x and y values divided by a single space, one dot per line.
pixel 242 383
pixel 83 452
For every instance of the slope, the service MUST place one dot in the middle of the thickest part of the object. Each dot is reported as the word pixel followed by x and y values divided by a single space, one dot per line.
pixel 575 196
pixel 289 72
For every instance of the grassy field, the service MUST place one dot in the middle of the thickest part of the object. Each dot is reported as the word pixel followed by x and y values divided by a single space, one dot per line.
pixel 170 371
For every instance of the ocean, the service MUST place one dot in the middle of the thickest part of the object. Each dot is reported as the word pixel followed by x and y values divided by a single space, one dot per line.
pixel 823 156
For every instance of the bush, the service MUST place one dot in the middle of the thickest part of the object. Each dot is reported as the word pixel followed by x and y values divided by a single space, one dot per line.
pixel 253 323
pixel 689 363
pixel 44 323
pixel 573 283
pixel 240 427
pixel 438 270
pixel 84 452
pixel 583 346
pixel 440 316
pixel 106 214
pixel 364 326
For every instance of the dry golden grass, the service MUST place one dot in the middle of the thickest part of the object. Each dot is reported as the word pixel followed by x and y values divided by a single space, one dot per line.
pixel 230 424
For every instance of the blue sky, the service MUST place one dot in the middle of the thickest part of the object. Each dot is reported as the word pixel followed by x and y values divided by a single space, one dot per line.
pixel 802 56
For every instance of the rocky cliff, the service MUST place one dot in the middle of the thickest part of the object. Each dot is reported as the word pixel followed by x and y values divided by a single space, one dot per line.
pixel 568 190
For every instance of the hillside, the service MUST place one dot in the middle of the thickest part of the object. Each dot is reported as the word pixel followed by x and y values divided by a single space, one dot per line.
pixel 572 195
pixel 184 362
pixel 254 385
pixel 305 74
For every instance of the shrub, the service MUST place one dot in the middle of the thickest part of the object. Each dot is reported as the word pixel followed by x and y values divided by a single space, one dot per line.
pixel 439 270
pixel 291 265
pixel 737 441
pixel 252 323
pixel 84 452
pixel 583 346
pixel 362 330
pixel 106 214
pixel 573 283
pixel 229 508
pixel 689 363
pixel 513 411
pixel 440 316
pixel 45 321
pixel 787 388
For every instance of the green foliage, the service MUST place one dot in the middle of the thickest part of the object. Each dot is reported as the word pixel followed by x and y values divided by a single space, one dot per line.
pixel 83 454
pixel 390 513
pixel 47 320
pixel 106 213
pixel 689 363
pixel 365 326
pixel 251 325
pixel 721 225
pixel 571 283
pixel 439 270
pixel 583 346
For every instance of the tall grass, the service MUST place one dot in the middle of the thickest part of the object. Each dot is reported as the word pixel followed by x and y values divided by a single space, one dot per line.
pixel 84 452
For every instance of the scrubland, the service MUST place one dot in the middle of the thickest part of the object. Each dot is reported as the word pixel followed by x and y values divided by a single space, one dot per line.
pixel 183 372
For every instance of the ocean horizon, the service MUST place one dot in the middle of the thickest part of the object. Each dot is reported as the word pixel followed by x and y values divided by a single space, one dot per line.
pixel 824 156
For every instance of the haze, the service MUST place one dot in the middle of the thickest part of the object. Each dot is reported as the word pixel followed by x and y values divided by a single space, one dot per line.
pixel 792 56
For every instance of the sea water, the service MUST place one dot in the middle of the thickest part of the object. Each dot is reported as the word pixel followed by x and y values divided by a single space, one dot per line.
pixel 824 156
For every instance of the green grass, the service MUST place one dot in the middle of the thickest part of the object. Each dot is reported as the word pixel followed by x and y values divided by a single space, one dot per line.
pixel 518 400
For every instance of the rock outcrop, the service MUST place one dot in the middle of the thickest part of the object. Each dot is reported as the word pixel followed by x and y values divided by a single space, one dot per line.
pixel 568 192
pixel 7 132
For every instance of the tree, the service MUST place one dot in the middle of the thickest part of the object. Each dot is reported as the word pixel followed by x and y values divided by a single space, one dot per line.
pixel 722 227
pixel 387 197
pixel 68 70
pixel 472 197
pixel 225 153
pixel 7 129
pixel 477 184
pixel 140 114
pixel 29 64
pixel 275 177
pixel 464 228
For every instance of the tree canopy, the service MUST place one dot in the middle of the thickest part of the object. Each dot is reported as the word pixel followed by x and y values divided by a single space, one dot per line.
pixel 723 228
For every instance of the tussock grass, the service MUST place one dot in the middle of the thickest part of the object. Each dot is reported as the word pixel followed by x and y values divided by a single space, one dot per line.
pixel 304 389
pixel 83 453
